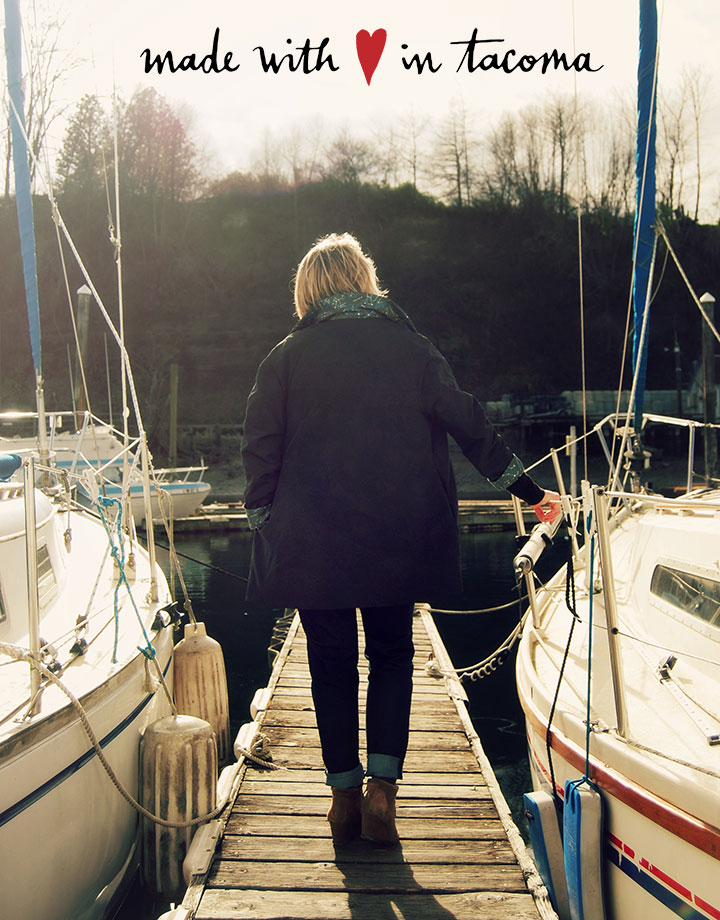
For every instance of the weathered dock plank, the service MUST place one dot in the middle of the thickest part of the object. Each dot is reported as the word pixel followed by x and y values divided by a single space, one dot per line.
pixel 431 828
pixel 460 856
pixel 309 805
pixel 267 849
pixel 345 875
pixel 219 904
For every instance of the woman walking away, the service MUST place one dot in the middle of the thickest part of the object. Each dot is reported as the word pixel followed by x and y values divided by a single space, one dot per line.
pixel 351 494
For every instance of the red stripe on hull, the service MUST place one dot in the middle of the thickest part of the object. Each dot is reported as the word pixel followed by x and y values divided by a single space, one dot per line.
pixel 687 827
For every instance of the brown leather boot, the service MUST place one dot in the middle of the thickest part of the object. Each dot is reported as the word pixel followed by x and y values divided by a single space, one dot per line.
pixel 378 812
pixel 345 814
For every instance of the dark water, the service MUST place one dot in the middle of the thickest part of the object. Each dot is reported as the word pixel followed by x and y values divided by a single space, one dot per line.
pixel 245 631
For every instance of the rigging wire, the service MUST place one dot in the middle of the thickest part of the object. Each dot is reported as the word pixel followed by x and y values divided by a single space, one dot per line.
pixel 571 604
pixel 207 565
pixel 698 302
pixel 88 280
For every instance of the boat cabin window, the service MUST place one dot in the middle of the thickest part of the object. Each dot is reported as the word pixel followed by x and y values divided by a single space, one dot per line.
pixel 46 576
pixel 694 594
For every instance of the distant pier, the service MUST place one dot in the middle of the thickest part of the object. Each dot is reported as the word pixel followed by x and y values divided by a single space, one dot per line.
pixel 475 516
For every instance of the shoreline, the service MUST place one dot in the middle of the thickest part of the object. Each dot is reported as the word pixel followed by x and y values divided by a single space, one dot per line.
pixel 667 476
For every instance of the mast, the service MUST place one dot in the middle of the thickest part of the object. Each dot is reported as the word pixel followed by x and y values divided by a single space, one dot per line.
pixel 644 195
pixel 23 203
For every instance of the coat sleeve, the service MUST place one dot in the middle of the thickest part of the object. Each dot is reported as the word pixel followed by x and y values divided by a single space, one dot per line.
pixel 263 440
pixel 462 416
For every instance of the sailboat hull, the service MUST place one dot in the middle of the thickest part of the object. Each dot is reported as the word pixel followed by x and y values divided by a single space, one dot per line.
pixel 68 837
pixel 660 784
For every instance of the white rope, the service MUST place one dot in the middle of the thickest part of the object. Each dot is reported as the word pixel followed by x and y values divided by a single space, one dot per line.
pixel 482 668
pixel 259 752
pixel 483 610
pixel 698 303
pixel 548 456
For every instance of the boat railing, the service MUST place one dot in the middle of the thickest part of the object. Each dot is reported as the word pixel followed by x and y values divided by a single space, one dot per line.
pixel 181 473
pixel 10 490
pixel 83 424
pixel 684 504
pixel 594 515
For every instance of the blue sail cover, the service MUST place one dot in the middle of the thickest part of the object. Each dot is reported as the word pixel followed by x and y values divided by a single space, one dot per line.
pixel 23 197
pixel 644 189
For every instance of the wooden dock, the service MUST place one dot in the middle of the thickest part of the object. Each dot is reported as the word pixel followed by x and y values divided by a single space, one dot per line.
pixel 460 854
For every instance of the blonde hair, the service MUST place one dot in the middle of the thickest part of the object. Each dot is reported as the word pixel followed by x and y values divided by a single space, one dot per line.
pixel 335 264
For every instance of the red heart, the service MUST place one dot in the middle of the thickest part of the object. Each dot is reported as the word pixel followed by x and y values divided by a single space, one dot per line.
pixel 369 50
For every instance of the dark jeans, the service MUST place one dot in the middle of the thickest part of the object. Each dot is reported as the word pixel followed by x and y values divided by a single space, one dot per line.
pixel 332 637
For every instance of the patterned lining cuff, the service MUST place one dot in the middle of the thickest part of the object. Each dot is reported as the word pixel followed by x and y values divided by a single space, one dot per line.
pixel 513 471
pixel 257 517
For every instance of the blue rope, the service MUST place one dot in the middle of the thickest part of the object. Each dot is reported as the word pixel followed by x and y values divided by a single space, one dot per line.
pixel 118 554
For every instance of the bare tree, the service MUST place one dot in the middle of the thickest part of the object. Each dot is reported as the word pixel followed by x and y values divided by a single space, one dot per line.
pixel 452 167
pixel 499 176
pixel 564 123
pixel 46 67
pixel 698 87
pixel 534 157
pixel 673 136
pixel 267 164
pixel 610 152
pixel 350 159
pixel 412 130
pixel 301 150
pixel 387 141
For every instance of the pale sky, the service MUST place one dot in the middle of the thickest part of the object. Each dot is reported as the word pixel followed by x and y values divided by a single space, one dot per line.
pixel 232 109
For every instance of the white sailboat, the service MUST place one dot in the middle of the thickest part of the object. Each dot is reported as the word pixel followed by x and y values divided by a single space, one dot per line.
pixel 621 695
pixel 85 654
pixel 67 836
pixel 175 492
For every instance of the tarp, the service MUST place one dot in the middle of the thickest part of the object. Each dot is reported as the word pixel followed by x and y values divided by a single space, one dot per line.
pixel 644 189
pixel 23 197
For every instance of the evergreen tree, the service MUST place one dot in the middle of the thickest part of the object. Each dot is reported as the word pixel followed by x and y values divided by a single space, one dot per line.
pixel 85 148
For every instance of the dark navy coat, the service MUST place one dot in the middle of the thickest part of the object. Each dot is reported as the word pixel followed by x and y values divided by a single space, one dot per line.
pixel 346 439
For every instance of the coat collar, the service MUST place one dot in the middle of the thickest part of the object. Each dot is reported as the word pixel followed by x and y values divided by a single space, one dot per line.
pixel 353 305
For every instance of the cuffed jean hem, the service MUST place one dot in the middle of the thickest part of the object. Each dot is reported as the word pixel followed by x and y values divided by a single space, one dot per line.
pixel 347 780
pixel 385 766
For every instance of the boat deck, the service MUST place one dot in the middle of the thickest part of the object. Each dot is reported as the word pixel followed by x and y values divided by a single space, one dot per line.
pixel 460 857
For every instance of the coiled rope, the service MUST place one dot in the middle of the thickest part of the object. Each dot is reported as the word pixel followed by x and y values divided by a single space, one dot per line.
pixel 259 752
pixel 495 659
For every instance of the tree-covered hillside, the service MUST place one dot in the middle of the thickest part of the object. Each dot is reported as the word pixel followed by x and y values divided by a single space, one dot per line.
pixel 488 265
pixel 495 287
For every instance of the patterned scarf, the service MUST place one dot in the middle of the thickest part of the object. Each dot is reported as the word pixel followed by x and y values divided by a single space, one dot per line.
pixel 353 305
